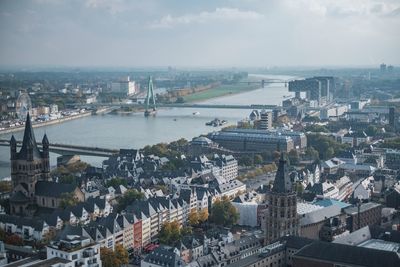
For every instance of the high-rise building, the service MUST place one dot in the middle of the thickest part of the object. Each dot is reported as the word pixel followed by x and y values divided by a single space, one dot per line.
pixel 28 166
pixel 265 120
pixel 124 86
pixel 281 217
pixel 383 67
pixel 317 88
pixel 392 117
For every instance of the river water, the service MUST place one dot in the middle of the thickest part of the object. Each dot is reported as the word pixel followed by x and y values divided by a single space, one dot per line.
pixel 136 131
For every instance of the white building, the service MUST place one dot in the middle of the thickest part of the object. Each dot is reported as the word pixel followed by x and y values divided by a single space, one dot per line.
pixel 125 86
pixel 76 250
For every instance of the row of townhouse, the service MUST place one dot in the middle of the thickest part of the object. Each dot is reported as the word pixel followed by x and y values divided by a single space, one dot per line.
pixel 109 231
pixel 80 214
pixel 38 228
pixel 148 216
pixel 26 228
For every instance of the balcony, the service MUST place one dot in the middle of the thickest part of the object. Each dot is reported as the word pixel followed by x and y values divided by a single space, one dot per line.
pixel 89 253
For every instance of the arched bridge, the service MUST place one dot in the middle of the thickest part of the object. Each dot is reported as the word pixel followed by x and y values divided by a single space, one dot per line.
pixel 63 149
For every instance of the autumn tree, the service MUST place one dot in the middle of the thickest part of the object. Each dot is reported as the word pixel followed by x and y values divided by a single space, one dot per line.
pixel 110 258
pixel 193 218
pixel 223 212
pixel 170 233
pixel 203 215
pixel 14 240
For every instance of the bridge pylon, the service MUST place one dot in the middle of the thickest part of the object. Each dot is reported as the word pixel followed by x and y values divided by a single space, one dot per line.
pixel 151 108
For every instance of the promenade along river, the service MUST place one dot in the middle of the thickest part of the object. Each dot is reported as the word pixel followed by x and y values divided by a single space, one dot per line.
pixel 136 131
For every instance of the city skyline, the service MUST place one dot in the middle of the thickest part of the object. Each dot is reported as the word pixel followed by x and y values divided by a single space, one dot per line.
pixel 193 34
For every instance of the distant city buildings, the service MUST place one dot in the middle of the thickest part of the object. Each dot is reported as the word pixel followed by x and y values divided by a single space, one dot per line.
pixel 318 89
pixel 124 86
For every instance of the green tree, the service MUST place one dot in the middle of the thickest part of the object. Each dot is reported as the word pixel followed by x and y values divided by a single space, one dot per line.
pixel 116 182
pixel 223 212
pixel 245 161
pixel 311 153
pixel 129 196
pixel 258 159
pixel 371 130
pixel 67 179
pixel 316 128
pixel 299 188
pixel 67 200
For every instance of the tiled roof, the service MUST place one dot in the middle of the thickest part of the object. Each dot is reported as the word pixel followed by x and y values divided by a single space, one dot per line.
pixel 53 189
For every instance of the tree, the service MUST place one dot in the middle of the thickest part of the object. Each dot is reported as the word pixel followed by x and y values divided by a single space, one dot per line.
pixel 371 130
pixel 311 153
pixel 116 182
pixel 67 200
pixel 245 161
pixel 5 186
pixel 224 213
pixel 129 196
pixel 258 159
pixel 67 179
pixel 299 188
pixel 203 215
pixel 121 254
pixel 110 258
pixel 14 240
pixel 169 233
pixel 193 218
pixel 276 155
pixel 293 156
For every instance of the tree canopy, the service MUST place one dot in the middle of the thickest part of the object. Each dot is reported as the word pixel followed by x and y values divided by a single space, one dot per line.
pixel 110 258
pixel 170 233
pixel 223 212
pixel 67 200
pixel 129 196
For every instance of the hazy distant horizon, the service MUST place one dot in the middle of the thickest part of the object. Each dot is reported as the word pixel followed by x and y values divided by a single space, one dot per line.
pixel 211 34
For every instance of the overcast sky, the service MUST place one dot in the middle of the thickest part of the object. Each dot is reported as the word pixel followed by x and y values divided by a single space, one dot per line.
pixel 199 33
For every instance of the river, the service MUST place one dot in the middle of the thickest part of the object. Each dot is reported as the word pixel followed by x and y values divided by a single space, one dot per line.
pixel 136 131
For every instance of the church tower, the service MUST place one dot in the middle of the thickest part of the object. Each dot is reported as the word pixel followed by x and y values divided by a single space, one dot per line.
pixel 28 166
pixel 281 217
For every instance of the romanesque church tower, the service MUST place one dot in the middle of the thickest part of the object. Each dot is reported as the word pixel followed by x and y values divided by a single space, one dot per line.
pixel 28 166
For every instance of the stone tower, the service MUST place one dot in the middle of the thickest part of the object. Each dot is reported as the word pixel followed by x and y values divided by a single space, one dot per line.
pixel 281 217
pixel 28 166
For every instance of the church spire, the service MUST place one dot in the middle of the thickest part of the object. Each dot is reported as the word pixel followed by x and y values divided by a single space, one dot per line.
pixel 29 146
pixel 282 183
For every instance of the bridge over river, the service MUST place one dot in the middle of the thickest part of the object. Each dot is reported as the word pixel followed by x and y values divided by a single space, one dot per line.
pixel 65 150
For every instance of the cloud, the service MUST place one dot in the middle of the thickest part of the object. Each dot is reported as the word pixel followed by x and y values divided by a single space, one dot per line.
pixel 112 6
pixel 220 14
pixel 344 8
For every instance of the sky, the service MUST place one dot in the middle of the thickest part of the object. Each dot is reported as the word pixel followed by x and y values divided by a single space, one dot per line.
pixel 202 33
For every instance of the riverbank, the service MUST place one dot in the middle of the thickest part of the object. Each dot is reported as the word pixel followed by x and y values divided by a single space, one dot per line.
pixel 220 91
pixel 47 123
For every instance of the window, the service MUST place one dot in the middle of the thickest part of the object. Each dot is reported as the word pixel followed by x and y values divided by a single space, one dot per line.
pixel 74 257
pixel 52 202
